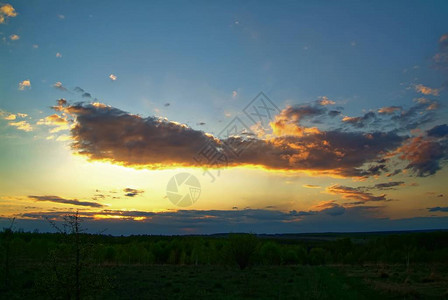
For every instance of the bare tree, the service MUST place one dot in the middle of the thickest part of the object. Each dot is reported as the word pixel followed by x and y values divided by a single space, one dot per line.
pixel 73 270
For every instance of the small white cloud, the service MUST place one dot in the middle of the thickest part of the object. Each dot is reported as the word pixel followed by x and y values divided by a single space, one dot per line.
pixel 112 77
pixel 58 55
pixel 61 17
pixel 26 84
pixel 353 44
pixel 14 37
pixel 35 46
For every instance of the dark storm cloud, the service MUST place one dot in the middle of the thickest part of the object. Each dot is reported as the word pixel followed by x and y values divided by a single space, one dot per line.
pixel 57 199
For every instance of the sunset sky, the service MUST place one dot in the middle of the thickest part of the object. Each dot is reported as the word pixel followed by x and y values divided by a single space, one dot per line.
pixel 325 115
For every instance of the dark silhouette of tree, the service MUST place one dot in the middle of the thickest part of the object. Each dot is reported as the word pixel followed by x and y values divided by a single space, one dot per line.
pixel 6 238
pixel 242 248
pixel 73 273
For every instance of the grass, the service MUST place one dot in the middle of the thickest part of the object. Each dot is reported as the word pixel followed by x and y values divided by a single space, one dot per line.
pixel 205 282
pixel 259 282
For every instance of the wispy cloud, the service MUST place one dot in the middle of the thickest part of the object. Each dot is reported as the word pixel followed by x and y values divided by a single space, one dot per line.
pixel 58 85
pixel 57 199
pixel 22 125
pixel 354 193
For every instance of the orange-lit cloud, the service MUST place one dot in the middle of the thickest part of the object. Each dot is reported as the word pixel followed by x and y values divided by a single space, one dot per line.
pixel 24 84
pixel 14 37
pixel 354 193
pixel 59 123
pixel 325 101
pixel 6 11
pixel 389 109
pixel 426 90
pixel 101 132
pixel 312 186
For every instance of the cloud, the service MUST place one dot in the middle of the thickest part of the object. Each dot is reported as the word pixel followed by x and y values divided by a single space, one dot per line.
pixel 22 125
pixel 55 120
pixel 112 77
pixel 289 121
pixel 14 37
pixel 6 11
pixel 57 199
pixel 10 116
pixel 325 101
pixel 312 186
pixel 58 85
pixel 439 131
pixel 389 109
pixel 360 122
pixel 58 55
pixel 426 90
pixel 387 185
pixel 26 84
pixel 353 219
pixel 129 192
pixel 438 208
pixel 424 155
pixel 105 133
pixel 330 208
pixel 441 58
pixel 354 193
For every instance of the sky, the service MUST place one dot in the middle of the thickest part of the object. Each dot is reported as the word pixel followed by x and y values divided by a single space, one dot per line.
pixel 200 117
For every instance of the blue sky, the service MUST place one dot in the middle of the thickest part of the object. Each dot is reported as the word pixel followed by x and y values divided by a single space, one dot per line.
pixel 200 63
